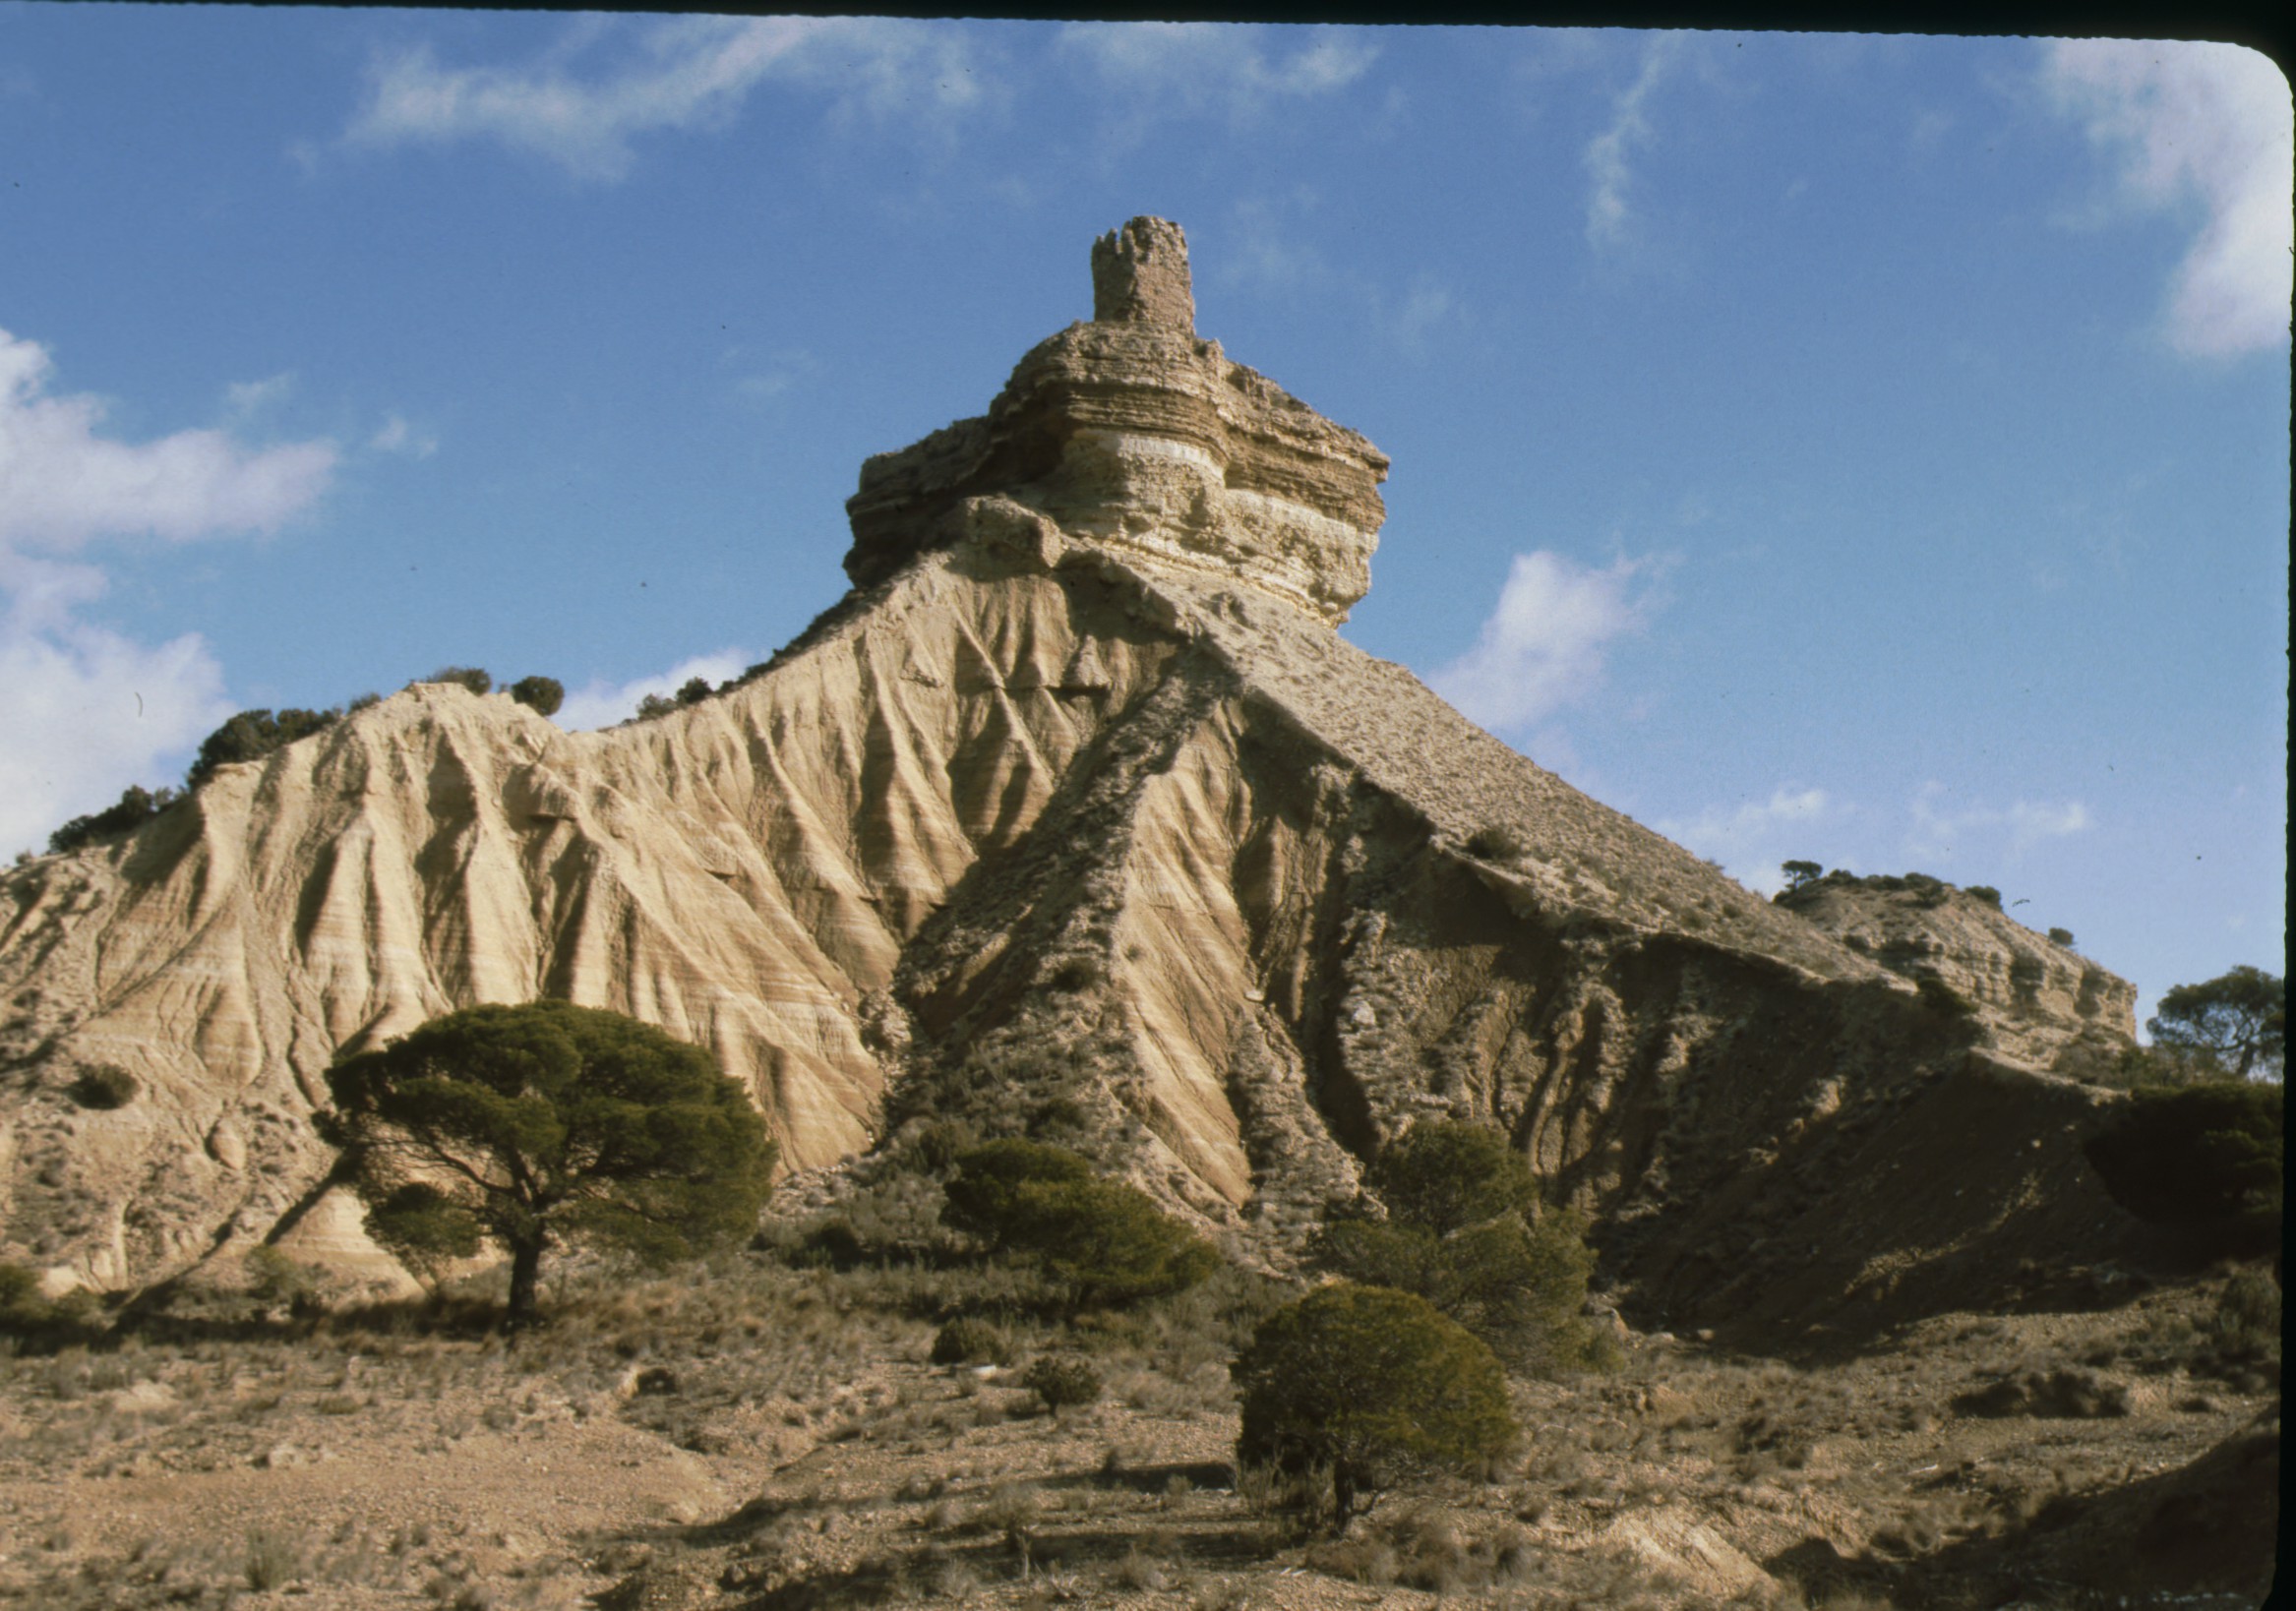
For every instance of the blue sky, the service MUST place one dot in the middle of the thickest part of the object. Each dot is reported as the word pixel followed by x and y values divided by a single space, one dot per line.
pixel 1867 449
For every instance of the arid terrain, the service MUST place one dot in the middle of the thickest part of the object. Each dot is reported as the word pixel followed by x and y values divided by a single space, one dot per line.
pixel 757 1435
pixel 1076 820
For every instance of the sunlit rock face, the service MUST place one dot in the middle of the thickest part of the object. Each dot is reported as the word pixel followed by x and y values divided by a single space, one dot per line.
pixel 1132 434
pixel 1074 818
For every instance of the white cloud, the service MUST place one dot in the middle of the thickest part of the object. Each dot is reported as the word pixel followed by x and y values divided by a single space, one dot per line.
pixel 688 73
pixel 2201 122
pixel 602 703
pixel 398 436
pixel 87 711
pixel 1940 830
pixel 1543 644
pixel 1241 70
pixel 1753 838
pixel 62 484
pixel 1609 217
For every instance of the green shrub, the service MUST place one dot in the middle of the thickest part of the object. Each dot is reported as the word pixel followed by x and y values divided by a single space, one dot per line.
pixel 2061 936
pixel 1373 1386
pixel 1520 1286
pixel 694 690
pixel 20 1294
pixel 252 734
pixel 2204 1159
pixel 1062 1379
pixel 1106 1241
pixel 33 1319
pixel 1799 873
pixel 936 1147
pixel 655 705
pixel 469 677
pixel 136 807
pixel 971 1340
pixel 1372 1253
pixel 105 1087
pixel 540 694
pixel 1522 1289
pixel 981 1199
pixel 274 1279
pixel 2247 1316
pixel 424 1229
pixel 1442 1174
pixel 1984 892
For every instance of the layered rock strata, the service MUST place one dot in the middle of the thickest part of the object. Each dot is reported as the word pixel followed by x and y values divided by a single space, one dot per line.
pixel 1061 826
pixel 1132 433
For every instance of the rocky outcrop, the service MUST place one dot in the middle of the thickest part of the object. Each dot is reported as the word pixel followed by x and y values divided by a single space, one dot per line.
pixel 1131 432
pixel 1080 821
pixel 2041 1002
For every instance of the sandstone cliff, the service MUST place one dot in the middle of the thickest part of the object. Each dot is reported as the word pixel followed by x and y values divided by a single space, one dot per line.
pixel 1076 815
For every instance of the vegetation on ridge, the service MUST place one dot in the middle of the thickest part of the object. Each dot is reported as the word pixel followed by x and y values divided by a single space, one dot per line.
pixel 250 734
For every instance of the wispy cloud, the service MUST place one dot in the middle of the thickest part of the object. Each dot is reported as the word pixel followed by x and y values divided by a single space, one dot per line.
pixel 1430 304
pixel 688 73
pixel 761 379
pixel 243 400
pixel 1942 829
pixel 2206 123
pixel 1243 72
pixel 87 710
pixel 62 482
pixel 398 436
pixel 1544 642
pixel 601 703
pixel 1609 156
pixel 1752 838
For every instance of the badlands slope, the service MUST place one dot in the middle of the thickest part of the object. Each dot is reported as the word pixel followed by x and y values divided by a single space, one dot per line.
pixel 1075 815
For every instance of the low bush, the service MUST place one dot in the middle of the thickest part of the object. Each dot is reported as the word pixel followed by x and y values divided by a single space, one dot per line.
pixel 1062 1381
pixel 971 1340
pixel 252 734
pixel 1466 1232
pixel 1372 1386
pixel 1442 1174
pixel 136 807
pixel 105 1087
pixel 471 676
pixel 31 1320
pixel 541 695
pixel 2247 1316
pixel 1106 1241
pixel 2204 1159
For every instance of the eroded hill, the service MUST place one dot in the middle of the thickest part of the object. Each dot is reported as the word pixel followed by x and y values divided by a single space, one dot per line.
pixel 1077 816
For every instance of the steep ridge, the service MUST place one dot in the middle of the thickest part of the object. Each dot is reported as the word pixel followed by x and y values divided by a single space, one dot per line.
pixel 1075 817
